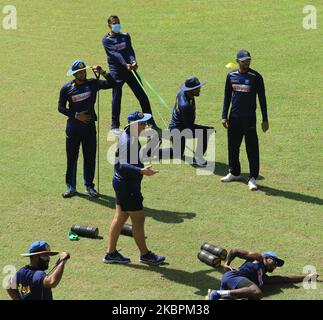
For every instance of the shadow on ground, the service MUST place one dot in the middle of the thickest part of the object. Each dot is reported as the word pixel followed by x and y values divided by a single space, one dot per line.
pixel 158 215
pixel 271 290
pixel 291 195
pixel 201 280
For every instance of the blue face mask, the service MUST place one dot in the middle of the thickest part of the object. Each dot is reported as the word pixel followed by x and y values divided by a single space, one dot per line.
pixel 116 27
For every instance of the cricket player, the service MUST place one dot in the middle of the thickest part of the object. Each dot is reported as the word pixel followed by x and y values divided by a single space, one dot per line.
pixel 31 282
pixel 247 281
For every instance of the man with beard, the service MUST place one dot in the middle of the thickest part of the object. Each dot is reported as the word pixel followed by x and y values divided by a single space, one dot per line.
pixel 31 282
pixel 245 283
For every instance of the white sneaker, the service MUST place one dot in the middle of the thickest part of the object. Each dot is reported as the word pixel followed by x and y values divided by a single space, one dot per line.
pixel 252 184
pixel 230 177
pixel 116 131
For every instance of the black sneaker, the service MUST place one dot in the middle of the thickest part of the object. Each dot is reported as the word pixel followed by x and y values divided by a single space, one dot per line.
pixel 92 192
pixel 151 258
pixel 115 257
pixel 69 193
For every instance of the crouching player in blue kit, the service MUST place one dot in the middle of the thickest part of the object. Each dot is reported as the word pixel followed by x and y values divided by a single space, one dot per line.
pixel 128 173
pixel 245 283
pixel 80 93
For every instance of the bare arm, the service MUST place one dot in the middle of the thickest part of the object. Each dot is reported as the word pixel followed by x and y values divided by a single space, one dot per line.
pixel 52 280
pixel 14 294
pixel 242 254
pixel 290 279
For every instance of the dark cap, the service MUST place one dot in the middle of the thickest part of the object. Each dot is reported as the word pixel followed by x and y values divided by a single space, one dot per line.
pixel 137 116
pixel 39 247
pixel 76 66
pixel 243 55
pixel 273 255
pixel 192 83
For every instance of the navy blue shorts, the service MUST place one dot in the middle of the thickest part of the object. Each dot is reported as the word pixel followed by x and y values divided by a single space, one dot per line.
pixel 232 281
pixel 128 197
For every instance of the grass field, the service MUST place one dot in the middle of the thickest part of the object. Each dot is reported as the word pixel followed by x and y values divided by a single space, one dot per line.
pixel 172 40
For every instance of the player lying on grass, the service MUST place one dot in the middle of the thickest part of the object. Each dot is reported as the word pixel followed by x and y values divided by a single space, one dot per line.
pixel 245 283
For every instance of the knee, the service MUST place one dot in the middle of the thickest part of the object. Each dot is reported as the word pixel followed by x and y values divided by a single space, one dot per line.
pixel 138 220
pixel 257 293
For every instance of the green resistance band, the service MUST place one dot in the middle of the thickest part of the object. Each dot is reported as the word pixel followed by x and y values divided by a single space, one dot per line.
pixel 155 92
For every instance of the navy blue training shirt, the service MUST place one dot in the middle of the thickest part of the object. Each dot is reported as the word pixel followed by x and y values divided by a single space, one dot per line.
pixel 81 98
pixel 242 89
pixel 254 271
pixel 127 166
pixel 119 51
pixel 183 113
pixel 29 282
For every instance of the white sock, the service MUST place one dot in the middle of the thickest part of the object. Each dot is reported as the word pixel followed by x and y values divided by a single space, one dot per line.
pixel 224 293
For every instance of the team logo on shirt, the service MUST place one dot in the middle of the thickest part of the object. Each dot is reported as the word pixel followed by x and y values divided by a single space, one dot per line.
pixel 241 88
pixel 81 96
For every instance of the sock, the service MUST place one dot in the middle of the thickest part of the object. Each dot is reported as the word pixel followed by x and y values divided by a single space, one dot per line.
pixel 224 293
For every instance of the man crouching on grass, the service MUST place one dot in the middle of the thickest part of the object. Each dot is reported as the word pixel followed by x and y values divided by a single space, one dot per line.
pixel 245 283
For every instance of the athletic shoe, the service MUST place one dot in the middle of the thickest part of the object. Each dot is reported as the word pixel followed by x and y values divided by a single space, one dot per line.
pixel 199 161
pixel 92 192
pixel 212 295
pixel 252 184
pixel 152 259
pixel 115 257
pixel 70 192
pixel 230 177
pixel 116 131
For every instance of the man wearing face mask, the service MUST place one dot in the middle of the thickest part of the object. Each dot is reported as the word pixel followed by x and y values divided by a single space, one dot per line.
pixel 247 281
pixel 122 61
pixel 31 282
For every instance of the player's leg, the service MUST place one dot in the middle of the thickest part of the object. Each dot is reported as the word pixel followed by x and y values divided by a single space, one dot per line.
pixel 119 219
pixel 141 96
pixel 89 144
pixel 73 141
pixel 116 106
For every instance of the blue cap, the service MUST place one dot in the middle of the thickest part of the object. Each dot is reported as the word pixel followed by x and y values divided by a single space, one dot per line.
pixel 273 255
pixel 137 116
pixel 243 55
pixel 192 83
pixel 76 66
pixel 39 247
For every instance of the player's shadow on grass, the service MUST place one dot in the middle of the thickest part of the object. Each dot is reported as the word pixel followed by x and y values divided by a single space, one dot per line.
pixel 271 290
pixel 201 280
pixel 159 215
pixel 291 195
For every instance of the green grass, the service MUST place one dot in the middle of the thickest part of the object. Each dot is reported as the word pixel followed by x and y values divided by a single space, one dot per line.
pixel 173 40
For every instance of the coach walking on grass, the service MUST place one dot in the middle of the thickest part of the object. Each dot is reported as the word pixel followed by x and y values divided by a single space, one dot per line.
pixel 80 94
pixel 128 173
pixel 242 87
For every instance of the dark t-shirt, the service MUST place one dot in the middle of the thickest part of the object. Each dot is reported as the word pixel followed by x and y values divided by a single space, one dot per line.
pixel 29 282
